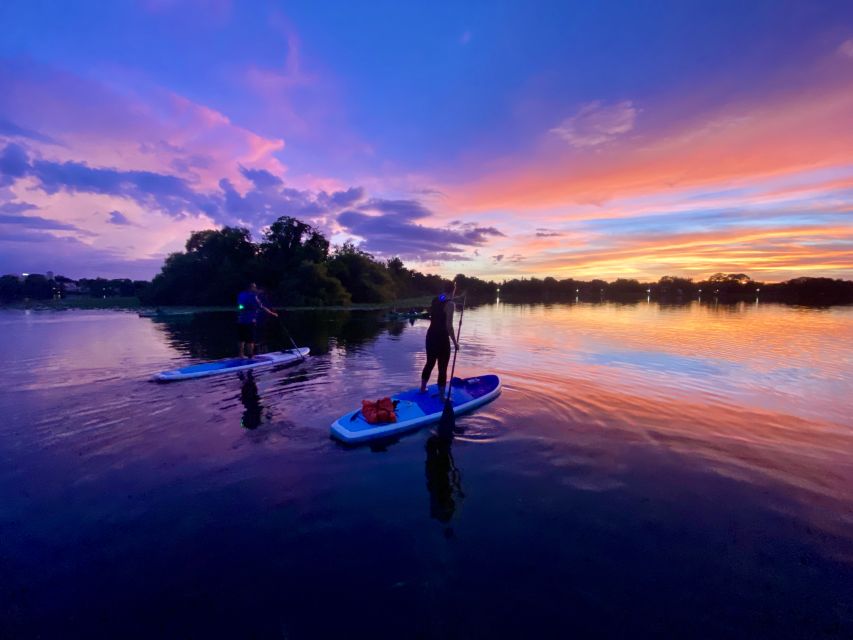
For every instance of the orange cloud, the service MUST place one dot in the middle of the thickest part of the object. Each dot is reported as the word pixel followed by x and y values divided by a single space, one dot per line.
pixel 789 251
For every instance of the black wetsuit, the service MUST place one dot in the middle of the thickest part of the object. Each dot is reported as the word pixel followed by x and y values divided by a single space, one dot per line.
pixel 437 342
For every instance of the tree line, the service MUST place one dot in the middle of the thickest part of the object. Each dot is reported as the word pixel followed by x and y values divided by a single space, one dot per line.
pixel 37 286
pixel 296 265
pixel 725 287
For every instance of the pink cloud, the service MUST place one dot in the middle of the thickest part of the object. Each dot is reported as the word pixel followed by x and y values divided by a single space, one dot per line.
pixel 158 131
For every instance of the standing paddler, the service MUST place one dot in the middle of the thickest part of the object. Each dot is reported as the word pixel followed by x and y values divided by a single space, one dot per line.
pixel 249 307
pixel 438 337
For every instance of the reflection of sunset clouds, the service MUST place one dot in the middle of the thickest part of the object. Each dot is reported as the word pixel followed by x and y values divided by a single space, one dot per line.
pixel 760 395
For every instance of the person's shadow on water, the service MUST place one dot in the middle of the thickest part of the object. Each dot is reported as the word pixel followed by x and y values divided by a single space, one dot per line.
pixel 251 399
pixel 443 478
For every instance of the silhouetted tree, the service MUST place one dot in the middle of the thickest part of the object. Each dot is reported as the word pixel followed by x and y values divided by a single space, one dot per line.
pixel 37 287
pixel 366 279
pixel 10 288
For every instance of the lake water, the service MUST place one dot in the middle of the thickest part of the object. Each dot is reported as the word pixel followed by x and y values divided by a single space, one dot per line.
pixel 648 471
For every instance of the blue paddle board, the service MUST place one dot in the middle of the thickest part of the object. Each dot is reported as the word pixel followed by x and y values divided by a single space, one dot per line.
pixel 230 365
pixel 415 409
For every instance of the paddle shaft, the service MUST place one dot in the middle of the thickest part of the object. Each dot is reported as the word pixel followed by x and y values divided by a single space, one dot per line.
pixel 290 337
pixel 456 350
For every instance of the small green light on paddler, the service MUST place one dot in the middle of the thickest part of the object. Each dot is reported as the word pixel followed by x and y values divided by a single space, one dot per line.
pixel 240 307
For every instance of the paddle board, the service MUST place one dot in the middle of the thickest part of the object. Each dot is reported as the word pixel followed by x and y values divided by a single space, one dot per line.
pixel 415 409
pixel 230 365
pixel 405 315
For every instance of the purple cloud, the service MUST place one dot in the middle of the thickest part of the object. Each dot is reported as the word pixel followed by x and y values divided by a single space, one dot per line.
pixel 35 222
pixel 168 193
pixel 117 217
pixel 16 207
pixel 389 227
pixel 342 199
pixel 11 130
pixel 516 257
pixel 261 178
pixel 547 233
pixel 392 231
pixel 265 201
pixel 404 209
pixel 14 164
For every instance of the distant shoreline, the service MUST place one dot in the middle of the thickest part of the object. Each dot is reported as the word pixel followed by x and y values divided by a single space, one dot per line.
pixel 133 304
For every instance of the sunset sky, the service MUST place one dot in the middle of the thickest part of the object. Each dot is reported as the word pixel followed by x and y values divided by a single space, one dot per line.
pixel 499 139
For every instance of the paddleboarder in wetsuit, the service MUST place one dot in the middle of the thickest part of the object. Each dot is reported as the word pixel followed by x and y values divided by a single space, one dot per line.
pixel 249 307
pixel 438 337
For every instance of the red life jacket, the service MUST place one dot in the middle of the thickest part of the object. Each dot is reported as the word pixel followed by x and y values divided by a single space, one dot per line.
pixel 379 411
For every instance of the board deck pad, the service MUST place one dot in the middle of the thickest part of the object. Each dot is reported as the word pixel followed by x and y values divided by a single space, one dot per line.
pixel 415 409
pixel 228 365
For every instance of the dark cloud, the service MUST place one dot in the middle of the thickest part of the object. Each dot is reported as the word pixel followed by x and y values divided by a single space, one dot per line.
pixel 479 235
pixel 389 227
pixel 36 222
pixel 261 178
pixel 16 207
pixel 117 217
pixel 342 199
pixel 547 233
pixel 402 209
pixel 428 191
pixel 12 130
pixel 187 164
pixel 449 257
pixel 160 145
pixel 167 193
pixel 156 190
pixel 516 257
pixel 260 207
pixel 269 199
pixel 14 164
pixel 390 230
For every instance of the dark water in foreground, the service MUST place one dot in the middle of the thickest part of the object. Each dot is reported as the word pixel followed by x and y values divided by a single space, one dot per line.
pixel 648 472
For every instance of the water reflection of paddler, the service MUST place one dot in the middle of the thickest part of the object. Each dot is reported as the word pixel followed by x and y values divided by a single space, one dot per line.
pixel 249 307
pixel 443 478
pixel 251 400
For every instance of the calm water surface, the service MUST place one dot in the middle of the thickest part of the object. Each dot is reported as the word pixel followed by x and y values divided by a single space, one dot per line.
pixel 649 471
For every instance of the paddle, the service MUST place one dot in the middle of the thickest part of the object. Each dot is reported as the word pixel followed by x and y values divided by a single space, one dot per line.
pixel 448 418
pixel 289 337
